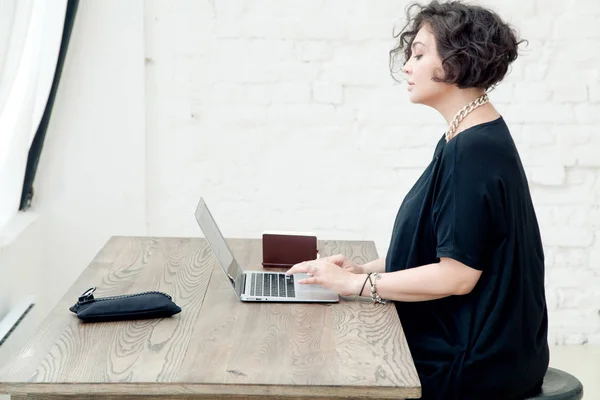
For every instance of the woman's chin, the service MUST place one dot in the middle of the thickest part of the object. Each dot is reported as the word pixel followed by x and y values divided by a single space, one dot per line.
pixel 413 99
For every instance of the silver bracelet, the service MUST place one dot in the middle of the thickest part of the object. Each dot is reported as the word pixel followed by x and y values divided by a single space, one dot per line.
pixel 374 296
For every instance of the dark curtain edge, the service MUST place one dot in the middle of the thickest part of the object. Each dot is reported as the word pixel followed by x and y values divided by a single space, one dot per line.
pixel 38 141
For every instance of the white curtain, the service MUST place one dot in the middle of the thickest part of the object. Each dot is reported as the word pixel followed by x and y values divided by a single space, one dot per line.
pixel 30 38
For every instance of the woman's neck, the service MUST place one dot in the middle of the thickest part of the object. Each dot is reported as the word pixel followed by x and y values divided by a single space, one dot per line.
pixel 457 99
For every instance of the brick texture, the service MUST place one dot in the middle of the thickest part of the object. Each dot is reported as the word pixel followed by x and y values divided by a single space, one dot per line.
pixel 283 114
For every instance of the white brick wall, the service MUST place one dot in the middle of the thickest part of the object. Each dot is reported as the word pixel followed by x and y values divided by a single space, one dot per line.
pixel 282 113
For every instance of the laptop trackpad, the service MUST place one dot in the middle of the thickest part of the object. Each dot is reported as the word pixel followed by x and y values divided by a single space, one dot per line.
pixel 305 288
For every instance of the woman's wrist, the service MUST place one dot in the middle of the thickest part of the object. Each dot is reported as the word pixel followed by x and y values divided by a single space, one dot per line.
pixel 373 266
pixel 360 269
pixel 360 284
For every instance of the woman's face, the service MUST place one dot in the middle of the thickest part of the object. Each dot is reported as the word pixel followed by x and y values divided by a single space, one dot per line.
pixel 423 64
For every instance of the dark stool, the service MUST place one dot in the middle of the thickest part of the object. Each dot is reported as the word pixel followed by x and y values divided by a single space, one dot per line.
pixel 559 385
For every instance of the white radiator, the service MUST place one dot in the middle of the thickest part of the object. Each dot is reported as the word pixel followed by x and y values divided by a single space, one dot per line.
pixel 14 317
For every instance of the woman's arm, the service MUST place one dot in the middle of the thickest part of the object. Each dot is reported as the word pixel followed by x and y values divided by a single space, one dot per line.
pixel 373 266
pixel 428 282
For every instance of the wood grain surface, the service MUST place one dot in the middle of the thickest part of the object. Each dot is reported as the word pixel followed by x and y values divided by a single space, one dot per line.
pixel 218 346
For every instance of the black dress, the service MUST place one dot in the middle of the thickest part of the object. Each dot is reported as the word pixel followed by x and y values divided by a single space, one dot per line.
pixel 473 204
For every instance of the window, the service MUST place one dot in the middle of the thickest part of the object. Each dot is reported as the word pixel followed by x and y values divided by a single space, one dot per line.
pixel 31 33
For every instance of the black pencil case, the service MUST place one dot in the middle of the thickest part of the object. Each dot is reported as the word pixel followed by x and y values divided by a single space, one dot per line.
pixel 126 307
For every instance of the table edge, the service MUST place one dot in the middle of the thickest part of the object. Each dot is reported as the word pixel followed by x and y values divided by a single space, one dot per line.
pixel 158 388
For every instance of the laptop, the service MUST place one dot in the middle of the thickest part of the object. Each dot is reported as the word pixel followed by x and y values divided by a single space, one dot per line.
pixel 258 285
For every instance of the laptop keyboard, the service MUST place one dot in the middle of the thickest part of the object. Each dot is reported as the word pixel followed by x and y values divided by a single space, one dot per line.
pixel 272 285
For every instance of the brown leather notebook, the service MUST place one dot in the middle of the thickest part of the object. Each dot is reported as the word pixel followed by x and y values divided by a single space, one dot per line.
pixel 286 249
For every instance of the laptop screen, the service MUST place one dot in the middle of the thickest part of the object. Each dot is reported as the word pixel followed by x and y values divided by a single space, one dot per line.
pixel 219 246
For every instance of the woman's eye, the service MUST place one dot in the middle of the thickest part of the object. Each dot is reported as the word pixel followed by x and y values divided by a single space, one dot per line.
pixel 419 56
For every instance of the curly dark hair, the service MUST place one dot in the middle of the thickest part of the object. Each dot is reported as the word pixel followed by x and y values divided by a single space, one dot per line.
pixel 475 45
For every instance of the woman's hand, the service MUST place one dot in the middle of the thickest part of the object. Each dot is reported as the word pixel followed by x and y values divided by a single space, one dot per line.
pixel 327 273
pixel 343 262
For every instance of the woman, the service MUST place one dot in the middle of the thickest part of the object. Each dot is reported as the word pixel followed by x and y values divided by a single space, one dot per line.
pixel 465 265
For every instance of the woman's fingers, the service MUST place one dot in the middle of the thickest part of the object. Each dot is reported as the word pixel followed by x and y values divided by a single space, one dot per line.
pixel 337 259
pixel 313 280
pixel 301 267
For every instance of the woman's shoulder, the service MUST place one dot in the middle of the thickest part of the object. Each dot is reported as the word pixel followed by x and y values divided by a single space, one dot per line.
pixel 484 133
pixel 487 147
pixel 487 139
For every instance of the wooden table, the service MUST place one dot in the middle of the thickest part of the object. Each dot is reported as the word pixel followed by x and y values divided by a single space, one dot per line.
pixel 217 347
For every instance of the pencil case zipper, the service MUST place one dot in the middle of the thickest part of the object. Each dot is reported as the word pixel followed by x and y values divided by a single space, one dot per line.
pixel 88 296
